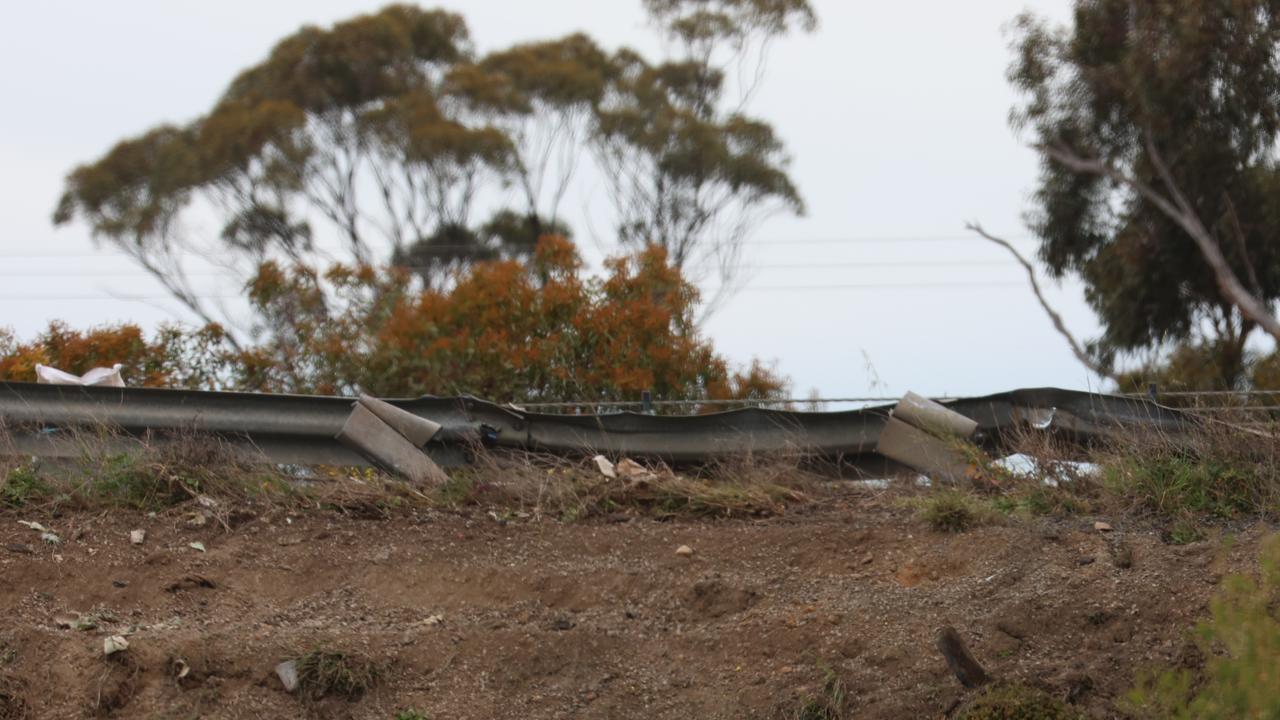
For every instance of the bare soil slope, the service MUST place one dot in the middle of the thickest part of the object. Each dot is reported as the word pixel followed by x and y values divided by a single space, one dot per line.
pixel 471 618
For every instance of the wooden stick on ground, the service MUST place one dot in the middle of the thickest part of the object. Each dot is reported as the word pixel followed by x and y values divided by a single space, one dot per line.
pixel 963 666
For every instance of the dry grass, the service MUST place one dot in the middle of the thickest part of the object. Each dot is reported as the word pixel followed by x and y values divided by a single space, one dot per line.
pixel 330 673
pixel 116 470
pixel 110 469
pixel 549 486
pixel 1218 472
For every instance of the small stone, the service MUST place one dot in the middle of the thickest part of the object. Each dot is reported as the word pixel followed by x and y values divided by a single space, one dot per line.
pixel 288 673
pixel 19 548
pixel 684 551
pixel 120 583
pixel 114 644
pixel 605 467
pixel 197 545
pixel 867 559
pixel 137 537
pixel 1102 527
pixel 66 620
pixel 197 520
pixel 433 620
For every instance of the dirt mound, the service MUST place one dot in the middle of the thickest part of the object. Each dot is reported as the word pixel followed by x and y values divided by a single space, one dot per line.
pixel 466 617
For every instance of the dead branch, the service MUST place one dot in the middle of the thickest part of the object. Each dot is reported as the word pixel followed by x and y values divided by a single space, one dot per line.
pixel 1077 348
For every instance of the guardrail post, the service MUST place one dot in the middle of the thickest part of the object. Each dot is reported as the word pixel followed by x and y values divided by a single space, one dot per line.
pixel 646 402
pixel 1153 391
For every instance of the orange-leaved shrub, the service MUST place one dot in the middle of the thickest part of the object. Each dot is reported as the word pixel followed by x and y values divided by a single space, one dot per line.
pixel 503 330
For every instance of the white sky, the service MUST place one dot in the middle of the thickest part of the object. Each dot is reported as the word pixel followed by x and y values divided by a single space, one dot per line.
pixel 895 114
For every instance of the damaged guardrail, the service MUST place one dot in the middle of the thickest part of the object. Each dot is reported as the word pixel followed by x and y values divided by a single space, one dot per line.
pixel 300 429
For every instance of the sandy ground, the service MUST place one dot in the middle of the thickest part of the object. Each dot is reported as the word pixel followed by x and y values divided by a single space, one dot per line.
pixel 472 618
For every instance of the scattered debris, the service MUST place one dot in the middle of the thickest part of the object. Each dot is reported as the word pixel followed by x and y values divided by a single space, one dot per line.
pixel 50 538
pixel 180 668
pixel 606 467
pixel 97 377
pixel 197 545
pixel 19 548
pixel 433 620
pixel 197 520
pixel 137 537
pixel 66 620
pixel 1051 472
pixel 205 501
pixel 114 644
pixel 1102 527
pixel 288 673
pixel 629 469
pixel 684 551
pixel 33 525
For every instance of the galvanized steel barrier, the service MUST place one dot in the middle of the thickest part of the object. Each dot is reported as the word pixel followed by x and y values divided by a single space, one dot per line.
pixel 298 429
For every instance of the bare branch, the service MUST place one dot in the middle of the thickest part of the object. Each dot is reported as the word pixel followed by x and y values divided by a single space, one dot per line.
pixel 1077 348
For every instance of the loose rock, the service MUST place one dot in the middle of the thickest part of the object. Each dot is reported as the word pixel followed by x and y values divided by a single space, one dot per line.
pixel 137 537
pixel 114 644
pixel 288 673
pixel 684 551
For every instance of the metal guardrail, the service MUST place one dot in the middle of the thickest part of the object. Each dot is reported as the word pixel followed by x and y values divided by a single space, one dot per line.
pixel 301 429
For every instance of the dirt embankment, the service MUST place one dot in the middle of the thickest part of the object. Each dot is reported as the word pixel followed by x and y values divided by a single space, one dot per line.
pixel 472 618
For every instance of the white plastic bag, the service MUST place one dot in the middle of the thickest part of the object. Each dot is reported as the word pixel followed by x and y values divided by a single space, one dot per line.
pixel 103 377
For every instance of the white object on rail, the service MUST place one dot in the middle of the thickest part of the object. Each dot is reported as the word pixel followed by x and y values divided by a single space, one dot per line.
pixel 100 376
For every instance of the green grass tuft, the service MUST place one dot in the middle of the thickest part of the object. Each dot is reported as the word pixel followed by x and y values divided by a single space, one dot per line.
pixel 1015 702
pixel 952 511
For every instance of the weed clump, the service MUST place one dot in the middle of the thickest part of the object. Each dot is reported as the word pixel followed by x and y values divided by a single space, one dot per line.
pixel 116 470
pixel 323 673
pixel 952 511
pixel 830 703
pixel 1008 701
pixel 21 486
pixel 1241 641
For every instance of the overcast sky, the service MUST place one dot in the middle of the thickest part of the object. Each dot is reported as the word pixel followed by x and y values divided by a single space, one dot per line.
pixel 895 115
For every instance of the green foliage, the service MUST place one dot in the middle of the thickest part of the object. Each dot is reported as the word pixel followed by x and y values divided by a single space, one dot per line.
pixel 410 715
pixel 1007 701
pixel 680 168
pixel 1175 485
pixel 168 471
pixel 1241 643
pixel 382 130
pixel 21 485
pixel 1198 83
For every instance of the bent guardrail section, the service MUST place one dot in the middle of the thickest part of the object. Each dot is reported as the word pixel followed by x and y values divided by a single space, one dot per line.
pixel 301 429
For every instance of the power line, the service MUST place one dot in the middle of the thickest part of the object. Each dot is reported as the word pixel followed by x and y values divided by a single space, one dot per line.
pixel 848 240
pixel 749 288
pixel 768 266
